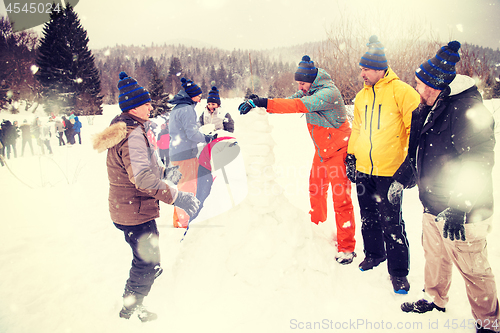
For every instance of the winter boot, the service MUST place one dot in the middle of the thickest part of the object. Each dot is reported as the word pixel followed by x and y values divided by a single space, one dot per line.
pixel 133 305
pixel 139 309
pixel 369 263
pixel 400 284
pixel 420 306
pixel 345 258
pixel 158 271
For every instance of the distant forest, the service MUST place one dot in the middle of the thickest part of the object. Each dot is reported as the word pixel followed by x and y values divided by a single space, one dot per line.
pixel 237 73
pixel 268 73
pixel 233 72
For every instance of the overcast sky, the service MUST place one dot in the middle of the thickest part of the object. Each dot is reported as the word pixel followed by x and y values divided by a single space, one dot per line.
pixel 262 24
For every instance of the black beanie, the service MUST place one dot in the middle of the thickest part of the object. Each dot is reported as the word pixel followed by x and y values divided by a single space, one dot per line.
pixel 213 96
pixel 439 71
pixel 190 88
pixel 306 71
pixel 132 94
pixel 374 58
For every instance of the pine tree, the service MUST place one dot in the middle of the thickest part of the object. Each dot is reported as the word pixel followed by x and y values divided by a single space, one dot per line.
pixel 173 80
pixel 221 76
pixel 67 72
pixel 156 89
pixel 204 88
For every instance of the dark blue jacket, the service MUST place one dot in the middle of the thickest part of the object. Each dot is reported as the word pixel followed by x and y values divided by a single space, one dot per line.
pixel 451 151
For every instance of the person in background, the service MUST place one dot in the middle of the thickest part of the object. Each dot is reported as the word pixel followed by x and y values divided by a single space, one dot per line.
pixel 377 147
pixel 46 134
pixel 136 181
pixel 26 136
pixel 15 124
pixel 59 128
pixel 185 136
pixel 326 116
pixel 452 152
pixel 9 137
pixel 2 148
pixel 68 130
pixel 213 115
pixel 163 141
pixel 77 128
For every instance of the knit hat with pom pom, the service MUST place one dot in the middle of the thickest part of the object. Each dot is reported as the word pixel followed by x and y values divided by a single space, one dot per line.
pixel 307 71
pixel 132 94
pixel 190 88
pixel 213 96
pixel 374 58
pixel 438 72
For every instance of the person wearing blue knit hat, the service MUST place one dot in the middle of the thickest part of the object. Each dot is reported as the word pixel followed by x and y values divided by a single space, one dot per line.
pixel 326 116
pixel 213 115
pixel 185 136
pixel 137 182
pixel 377 147
pixel 132 95
pixel 451 154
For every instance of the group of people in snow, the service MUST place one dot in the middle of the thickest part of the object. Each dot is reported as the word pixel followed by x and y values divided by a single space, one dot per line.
pixel 40 131
pixel 139 179
pixel 438 136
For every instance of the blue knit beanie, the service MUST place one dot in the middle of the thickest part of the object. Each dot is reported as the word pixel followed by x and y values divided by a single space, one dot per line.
pixel 213 96
pixel 132 94
pixel 374 58
pixel 190 88
pixel 306 72
pixel 439 71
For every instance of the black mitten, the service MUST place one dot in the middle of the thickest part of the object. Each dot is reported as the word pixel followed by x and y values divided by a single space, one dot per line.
pixel 454 223
pixel 350 167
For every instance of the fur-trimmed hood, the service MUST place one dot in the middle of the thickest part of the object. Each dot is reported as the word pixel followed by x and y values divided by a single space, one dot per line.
pixel 115 133
pixel 110 137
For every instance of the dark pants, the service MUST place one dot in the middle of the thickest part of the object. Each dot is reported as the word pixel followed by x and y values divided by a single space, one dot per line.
pixel 204 185
pixel 79 137
pixel 165 158
pixel 70 136
pixel 9 147
pixel 61 139
pixel 382 224
pixel 143 239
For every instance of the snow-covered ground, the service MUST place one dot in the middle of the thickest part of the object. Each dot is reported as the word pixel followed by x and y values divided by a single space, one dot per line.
pixel 259 267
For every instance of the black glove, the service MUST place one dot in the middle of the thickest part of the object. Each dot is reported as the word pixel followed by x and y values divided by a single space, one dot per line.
pixel 394 193
pixel 257 102
pixel 209 138
pixel 188 202
pixel 173 174
pixel 350 167
pixel 454 223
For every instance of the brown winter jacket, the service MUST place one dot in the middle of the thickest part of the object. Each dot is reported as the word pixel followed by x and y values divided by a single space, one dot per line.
pixel 135 176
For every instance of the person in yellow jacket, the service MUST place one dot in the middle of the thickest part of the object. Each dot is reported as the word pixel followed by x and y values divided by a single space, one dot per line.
pixel 376 148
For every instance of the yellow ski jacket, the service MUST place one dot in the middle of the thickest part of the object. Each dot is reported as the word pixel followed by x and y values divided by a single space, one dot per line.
pixel 381 125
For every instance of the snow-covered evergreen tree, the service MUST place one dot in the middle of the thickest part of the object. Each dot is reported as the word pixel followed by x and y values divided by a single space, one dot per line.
pixel 156 89
pixel 173 81
pixel 67 72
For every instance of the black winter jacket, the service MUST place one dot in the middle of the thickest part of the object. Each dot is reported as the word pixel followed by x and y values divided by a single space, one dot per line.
pixel 452 144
